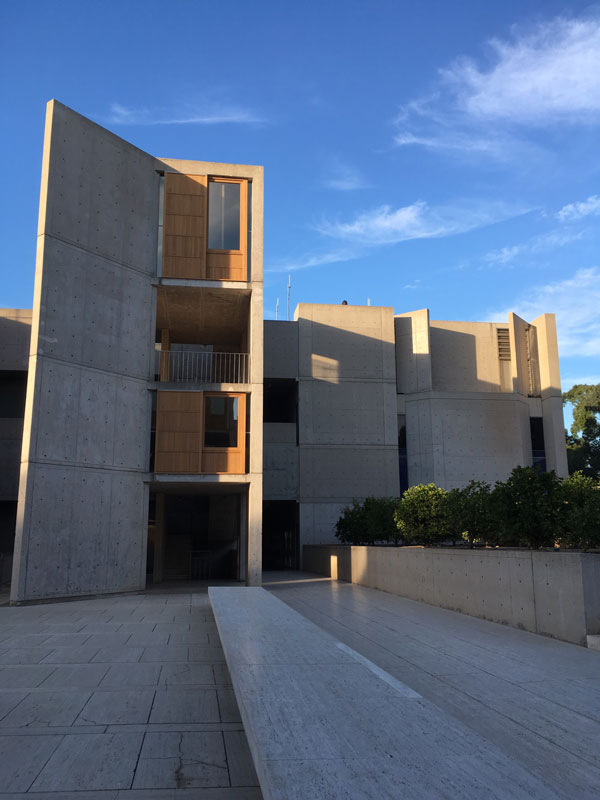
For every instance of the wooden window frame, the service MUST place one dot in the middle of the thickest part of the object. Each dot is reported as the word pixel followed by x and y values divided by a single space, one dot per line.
pixel 240 254
pixel 213 455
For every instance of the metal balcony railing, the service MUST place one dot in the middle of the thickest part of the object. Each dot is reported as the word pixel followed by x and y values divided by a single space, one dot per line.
pixel 193 366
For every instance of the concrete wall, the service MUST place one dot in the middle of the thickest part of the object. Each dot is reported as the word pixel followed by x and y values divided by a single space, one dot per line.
pixel 554 594
pixel 15 333
pixel 347 430
pixel 467 412
pixel 82 520
pixel 452 439
pixel 281 349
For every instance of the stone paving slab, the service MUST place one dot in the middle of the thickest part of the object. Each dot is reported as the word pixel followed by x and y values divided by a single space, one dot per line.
pixel 119 697
pixel 534 699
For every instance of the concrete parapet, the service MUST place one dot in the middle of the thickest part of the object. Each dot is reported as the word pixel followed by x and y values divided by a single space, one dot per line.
pixel 555 594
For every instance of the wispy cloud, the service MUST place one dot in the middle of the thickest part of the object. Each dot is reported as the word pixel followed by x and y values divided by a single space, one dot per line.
pixel 318 259
pixel 575 211
pixel 416 284
pixel 534 246
pixel 343 177
pixel 213 115
pixel 547 75
pixel 386 225
pixel 575 301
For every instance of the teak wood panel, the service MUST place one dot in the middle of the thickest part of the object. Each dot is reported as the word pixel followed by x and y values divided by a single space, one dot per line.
pixel 180 436
pixel 231 265
pixel 184 226
pixel 179 432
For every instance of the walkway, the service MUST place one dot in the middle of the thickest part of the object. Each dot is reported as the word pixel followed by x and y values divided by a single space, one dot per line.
pixel 129 698
pixel 120 697
pixel 535 699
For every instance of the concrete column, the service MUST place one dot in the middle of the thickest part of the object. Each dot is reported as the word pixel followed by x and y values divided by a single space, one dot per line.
pixel 254 576
pixel 159 539
pixel 243 541
pixel 552 409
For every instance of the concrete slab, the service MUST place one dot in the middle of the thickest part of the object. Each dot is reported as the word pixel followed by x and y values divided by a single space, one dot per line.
pixel 84 730
pixel 185 705
pixel 182 760
pixel 534 699
pixel 46 709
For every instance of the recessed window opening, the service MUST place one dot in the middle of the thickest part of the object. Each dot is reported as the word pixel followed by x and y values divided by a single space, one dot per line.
pixel 220 421
pixel 280 400
pixel 503 335
pixel 223 215
pixel 538 444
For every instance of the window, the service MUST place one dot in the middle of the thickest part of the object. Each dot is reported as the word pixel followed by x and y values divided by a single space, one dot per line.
pixel 220 421
pixel 538 446
pixel 280 400
pixel 224 206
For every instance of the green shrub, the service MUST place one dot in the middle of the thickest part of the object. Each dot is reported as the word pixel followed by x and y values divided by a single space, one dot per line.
pixel 525 509
pixel 422 515
pixel 470 513
pixel 580 512
pixel 367 522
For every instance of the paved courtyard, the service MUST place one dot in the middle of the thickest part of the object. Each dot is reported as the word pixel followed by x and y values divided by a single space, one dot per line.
pixel 129 697
pixel 119 697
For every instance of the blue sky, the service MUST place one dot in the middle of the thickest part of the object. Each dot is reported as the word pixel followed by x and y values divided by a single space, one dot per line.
pixel 430 154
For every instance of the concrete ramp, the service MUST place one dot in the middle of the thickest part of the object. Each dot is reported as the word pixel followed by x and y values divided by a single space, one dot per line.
pixel 324 722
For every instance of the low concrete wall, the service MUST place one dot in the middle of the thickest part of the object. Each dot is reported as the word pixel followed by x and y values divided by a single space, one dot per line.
pixel 552 593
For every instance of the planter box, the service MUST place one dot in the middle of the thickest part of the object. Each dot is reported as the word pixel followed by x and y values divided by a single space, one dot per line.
pixel 552 593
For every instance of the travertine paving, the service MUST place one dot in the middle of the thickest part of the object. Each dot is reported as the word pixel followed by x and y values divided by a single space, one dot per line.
pixel 119 697
pixel 534 700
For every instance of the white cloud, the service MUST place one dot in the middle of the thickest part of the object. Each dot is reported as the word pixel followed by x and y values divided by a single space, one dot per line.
pixel 215 115
pixel 575 211
pixel 344 178
pixel 588 380
pixel 547 75
pixel 575 301
pixel 552 73
pixel 538 244
pixel 307 261
pixel 386 225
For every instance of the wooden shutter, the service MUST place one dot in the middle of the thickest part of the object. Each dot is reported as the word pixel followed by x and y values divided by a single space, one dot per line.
pixel 179 432
pixel 184 226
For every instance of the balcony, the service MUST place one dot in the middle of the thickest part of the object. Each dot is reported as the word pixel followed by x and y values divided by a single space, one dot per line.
pixel 202 366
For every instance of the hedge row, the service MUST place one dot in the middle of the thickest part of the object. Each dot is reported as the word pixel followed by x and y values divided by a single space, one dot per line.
pixel 530 509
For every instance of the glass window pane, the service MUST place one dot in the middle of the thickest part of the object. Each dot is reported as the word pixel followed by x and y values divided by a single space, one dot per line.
pixel 223 216
pixel 220 421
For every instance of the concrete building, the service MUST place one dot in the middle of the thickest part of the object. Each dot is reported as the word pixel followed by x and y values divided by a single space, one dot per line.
pixel 361 402
pixel 142 448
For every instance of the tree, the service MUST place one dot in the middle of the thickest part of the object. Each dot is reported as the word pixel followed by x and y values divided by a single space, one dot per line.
pixel 422 515
pixel 583 442
pixel 580 512
pixel 368 522
pixel 525 508
pixel 470 512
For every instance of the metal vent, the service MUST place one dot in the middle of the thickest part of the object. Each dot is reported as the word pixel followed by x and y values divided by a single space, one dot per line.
pixel 503 344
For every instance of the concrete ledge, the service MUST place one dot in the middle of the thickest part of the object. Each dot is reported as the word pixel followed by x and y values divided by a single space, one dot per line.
pixel 555 594
pixel 325 722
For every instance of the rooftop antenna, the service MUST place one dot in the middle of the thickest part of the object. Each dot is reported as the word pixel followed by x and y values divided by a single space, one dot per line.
pixel 289 286
pixel 277 309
